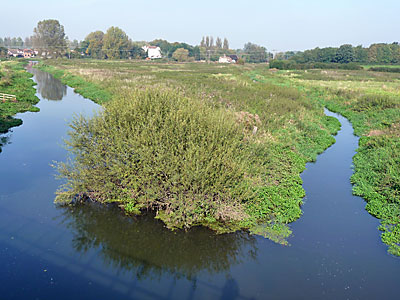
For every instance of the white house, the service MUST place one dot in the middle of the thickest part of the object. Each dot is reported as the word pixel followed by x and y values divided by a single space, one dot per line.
pixel 226 60
pixel 152 51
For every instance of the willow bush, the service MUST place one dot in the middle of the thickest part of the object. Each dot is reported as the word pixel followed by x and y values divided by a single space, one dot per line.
pixel 164 152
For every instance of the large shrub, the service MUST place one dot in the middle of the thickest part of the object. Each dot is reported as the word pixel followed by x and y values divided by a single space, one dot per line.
pixel 161 151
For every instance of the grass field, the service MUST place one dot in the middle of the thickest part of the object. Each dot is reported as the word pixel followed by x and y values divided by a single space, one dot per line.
pixel 286 107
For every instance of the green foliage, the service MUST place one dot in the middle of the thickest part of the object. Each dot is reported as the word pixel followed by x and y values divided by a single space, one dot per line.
pixel 115 43
pixel 16 81
pixel 377 179
pixel 95 44
pixel 156 152
pixel 50 36
pixel 376 53
pixel 345 54
pixel 181 54
pixel 254 53
pixel 168 49
pixel 3 52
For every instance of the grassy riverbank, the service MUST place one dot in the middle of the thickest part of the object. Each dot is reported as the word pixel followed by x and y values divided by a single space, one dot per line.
pixel 371 101
pixel 16 81
pixel 199 144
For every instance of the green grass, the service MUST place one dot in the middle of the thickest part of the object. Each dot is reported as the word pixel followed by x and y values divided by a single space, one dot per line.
pixel 16 81
pixel 198 144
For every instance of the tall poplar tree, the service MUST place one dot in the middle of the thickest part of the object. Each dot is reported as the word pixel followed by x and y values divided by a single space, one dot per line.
pixel 218 43
pixel 226 44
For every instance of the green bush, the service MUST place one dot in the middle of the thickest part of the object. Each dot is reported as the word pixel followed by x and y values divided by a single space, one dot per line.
pixel 181 158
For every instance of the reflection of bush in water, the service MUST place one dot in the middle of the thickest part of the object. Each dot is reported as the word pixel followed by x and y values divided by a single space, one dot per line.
pixel 4 140
pixel 8 122
pixel 49 87
pixel 144 245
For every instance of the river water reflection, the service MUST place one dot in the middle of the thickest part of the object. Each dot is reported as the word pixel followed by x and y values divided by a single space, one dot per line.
pixel 89 252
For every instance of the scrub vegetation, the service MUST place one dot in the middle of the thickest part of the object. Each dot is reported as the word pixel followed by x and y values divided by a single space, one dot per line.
pixel 15 80
pixel 200 144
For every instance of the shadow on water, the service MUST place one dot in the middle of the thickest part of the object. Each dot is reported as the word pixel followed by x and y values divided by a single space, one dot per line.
pixel 143 246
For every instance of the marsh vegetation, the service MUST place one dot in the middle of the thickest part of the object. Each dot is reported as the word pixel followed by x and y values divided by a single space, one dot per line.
pixel 199 144
pixel 371 101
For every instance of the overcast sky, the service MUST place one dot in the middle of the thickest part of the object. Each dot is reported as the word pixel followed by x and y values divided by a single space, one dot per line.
pixel 277 25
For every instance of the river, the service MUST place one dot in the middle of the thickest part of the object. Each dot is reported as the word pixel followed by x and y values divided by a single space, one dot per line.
pixel 89 252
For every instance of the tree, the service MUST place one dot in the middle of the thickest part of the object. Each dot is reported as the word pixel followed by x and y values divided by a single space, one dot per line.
pixel 14 42
pixel 203 42
pixel 95 44
pixel 207 42
pixel 74 44
pixel 226 44
pixel 28 42
pixel 255 53
pixel 211 41
pixel 83 45
pixel 7 42
pixel 360 54
pixel 136 51
pixel 115 43
pixel 395 53
pixel 218 43
pixel 345 54
pixel 49 35
pixel 19 42
pixel 3 51
pixel 181 54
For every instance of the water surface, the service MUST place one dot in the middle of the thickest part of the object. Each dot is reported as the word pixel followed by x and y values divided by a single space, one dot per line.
pixel 90 252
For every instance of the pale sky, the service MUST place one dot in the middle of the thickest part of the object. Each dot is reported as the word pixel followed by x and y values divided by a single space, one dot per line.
pixel 277 25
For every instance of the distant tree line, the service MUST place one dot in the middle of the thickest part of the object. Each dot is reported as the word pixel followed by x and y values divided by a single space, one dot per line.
pixel 113 44
pixel 16 42
pixel 50 40
pixel 374 54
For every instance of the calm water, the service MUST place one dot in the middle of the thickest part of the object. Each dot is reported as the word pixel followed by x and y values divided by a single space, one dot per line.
pixel 95 253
